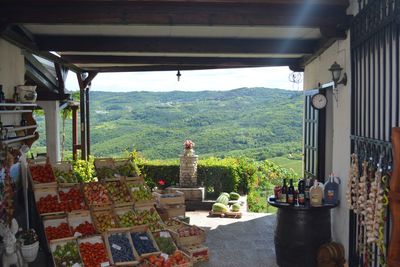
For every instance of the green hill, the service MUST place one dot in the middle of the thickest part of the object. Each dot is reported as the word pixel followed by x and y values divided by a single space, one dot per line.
pixel 256 122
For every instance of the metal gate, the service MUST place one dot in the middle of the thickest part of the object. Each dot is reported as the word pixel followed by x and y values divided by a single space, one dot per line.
pixel 314 138
pixel 375 101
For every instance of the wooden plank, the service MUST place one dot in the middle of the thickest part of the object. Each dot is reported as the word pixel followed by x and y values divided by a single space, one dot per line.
pixel 162 68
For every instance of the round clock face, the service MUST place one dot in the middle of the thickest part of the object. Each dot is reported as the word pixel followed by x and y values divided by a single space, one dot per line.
pixel 319 101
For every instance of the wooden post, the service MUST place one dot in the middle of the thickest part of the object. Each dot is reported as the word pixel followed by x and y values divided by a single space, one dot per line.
pixel 74 132
pixel 394 196
pixel 87 121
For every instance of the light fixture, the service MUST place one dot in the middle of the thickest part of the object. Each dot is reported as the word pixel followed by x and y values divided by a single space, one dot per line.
pixel 336 71
pixel 179 75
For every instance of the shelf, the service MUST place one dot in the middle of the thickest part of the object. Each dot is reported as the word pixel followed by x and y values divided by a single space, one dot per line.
pixel 17 105
pixel 15 111
pixel 21 128
pixel 18 139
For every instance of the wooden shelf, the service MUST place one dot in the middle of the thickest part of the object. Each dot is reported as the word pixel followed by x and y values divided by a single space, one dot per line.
pixel 15 111
pixel 21 128
pixel 17 105
pixel 18 139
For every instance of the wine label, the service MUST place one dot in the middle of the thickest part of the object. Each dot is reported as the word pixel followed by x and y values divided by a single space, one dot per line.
pixel 301 198
pixel 290 198
pixel 116 246
pixel 331 194
pixel 283 197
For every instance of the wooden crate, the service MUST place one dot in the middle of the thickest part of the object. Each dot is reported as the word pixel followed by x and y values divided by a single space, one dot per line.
pixel 175 210
pixel 122 186
pixel 65 188
pixel 63 242
pixel 228 214
pixel 155 223
pixel 78 217
pixel 165 234
pixel 102 164
pixel 65 167
pixel 134 181
pixel 44 190
pixel 124 231
pixel 189 263
pixel 189 240
pixel 197 253
pixel 36 183
pixel 118 162
pixel 139 202
pixel 105 212
pixel 119 211
pixel 173 224
pixel 87 187
pixel 164 198
pixel 94 240
pixel 55 221
pixel 145 229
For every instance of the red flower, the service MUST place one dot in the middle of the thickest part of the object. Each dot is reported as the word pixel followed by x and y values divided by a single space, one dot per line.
pixel 161 182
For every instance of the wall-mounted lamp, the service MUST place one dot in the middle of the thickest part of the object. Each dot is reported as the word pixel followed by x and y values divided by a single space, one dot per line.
pixel 336 71
pixel 179 75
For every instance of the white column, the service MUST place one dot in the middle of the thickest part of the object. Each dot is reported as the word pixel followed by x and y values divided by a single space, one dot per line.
pixel 52 117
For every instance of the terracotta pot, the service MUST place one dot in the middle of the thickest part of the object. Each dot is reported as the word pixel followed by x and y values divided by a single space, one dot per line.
pixel 29 252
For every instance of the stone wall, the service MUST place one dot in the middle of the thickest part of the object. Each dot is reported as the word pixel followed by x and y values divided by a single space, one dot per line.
pixel 188 171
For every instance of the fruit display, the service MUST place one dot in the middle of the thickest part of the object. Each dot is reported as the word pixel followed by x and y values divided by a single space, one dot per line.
pixel 93 254
pixel 149 217
pixel 141 193
pixel 120 248
pixel 42 173
pixel 96 194
pixel 57 232
pixel 126 168
pixel 190 230
pixel 126 219
pixel 105 173
pixel 72 199
pixel 104 221
pixel 67 254
pixel 234 196
pixel 173 225
pixel 49 204
pixel 223 199
pixel 118 192
pixel 197 252
pixel 86 228
pixel 177 258
pixel 164 242
pixel 219 207
pixel 235 207
pixel 143 243
pixel 65 176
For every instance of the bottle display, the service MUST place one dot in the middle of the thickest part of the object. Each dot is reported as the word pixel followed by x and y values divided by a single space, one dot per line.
pixel 290 193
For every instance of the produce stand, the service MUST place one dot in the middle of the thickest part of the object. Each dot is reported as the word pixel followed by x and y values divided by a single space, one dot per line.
pixel 296 238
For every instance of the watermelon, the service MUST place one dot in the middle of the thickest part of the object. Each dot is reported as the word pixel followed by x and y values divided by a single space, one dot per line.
pixel 219 207
pixel 235 207
pixel 225 194
pixel 234 196
pixel 222 199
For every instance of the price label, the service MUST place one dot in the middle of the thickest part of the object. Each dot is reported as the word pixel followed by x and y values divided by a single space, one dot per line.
pixel 165 234
pixel 76 265
pixel 77 234
pixel 144 238
pixel 116 246
pixel 135 189
pixel 165 256
pixel 105 264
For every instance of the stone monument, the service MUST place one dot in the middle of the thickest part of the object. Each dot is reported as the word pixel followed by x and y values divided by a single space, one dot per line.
pixel 188 166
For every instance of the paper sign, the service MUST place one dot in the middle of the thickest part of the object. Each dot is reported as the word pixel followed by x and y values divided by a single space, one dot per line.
pixel 76 265
pixel 116 247
pixel 105 264
pixel 135 189
pixel 77 234
pixel 165 234
pixel 144 238
pixel 165 256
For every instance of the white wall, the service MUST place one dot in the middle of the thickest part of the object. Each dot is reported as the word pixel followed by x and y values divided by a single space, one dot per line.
pixel 338 130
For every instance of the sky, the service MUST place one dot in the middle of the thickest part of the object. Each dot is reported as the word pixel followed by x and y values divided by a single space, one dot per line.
pixel 197 80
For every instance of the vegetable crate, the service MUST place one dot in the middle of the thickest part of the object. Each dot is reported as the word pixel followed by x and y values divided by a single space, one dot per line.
pixel 72 197
pixel 105 168
pixel 103 219
pixel 112 246
pixel 56 227
pixel 41 174
pixel 79 218
pixel 72 250
pixel 45 195
pixel 197 253
pixel 123 211
pixel 95 239
pixel 164 241
pixel 126 167
pixel 162 260
pixel 96 194
pixel 164 198
pixel 188 235
pixel 144 229
pixel 118 192
pixel 64 174
pixel 134 181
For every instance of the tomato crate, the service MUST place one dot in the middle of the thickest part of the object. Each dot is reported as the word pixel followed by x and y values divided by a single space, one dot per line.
pixel 119 193
pixel 103 219
pixel 72 198
pixel 81 223
pixel 96 194
pixel 64 173
pixel 47 200
pixel 197 253
pixel 164 198
pixel 70 243
pixel 143 234
pixel 178 259
pixel 90 245
pixel 188 235
pixel 41 173
pixel 110 246
pixel 56 227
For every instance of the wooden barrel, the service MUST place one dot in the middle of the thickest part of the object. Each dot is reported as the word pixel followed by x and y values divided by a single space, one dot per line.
pixel 299 234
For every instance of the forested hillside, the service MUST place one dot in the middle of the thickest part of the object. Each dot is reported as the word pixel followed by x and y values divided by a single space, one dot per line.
pixel 255 122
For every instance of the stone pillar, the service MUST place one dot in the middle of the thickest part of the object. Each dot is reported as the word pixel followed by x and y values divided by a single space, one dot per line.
pixel 188 170
pixel 52 118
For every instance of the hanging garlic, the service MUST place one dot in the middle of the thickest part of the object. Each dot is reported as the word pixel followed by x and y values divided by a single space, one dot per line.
pixel 352 184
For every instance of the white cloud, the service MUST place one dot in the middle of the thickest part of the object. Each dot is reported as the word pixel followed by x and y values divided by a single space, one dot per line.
pixel 199 80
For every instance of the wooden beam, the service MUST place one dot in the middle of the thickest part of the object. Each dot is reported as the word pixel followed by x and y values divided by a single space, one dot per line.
pixel 284 13
pixel 233 61
pixel 173 45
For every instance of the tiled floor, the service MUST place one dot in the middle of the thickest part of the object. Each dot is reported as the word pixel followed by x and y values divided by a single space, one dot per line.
pixel 248 241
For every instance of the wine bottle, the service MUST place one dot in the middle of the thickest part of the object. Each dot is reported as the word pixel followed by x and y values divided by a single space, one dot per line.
pixel 24 123
pixel 290 193
pixel 2 97
pixel 284 191
pixel 301 196
pixel 15 96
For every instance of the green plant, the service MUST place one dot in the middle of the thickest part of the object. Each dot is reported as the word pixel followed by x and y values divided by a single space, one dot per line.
pixel 29 237
pixel 84 170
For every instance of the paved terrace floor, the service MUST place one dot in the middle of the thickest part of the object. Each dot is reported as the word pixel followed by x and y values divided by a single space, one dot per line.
pixel 248 241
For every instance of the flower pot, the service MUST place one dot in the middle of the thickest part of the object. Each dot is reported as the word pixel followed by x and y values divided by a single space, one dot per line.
pixel 27 93
pixel 29 252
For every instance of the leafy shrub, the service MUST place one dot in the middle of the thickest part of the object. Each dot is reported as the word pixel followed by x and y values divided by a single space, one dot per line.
pixel 84 170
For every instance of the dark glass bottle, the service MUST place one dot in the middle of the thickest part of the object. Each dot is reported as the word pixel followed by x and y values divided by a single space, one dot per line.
pixel 290 193
pixel 24 123
pixel 301 196
pixel 284 192
pixel 15 96
pixel 2 97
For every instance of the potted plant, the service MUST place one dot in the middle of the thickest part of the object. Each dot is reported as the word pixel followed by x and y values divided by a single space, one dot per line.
pixel 29 245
